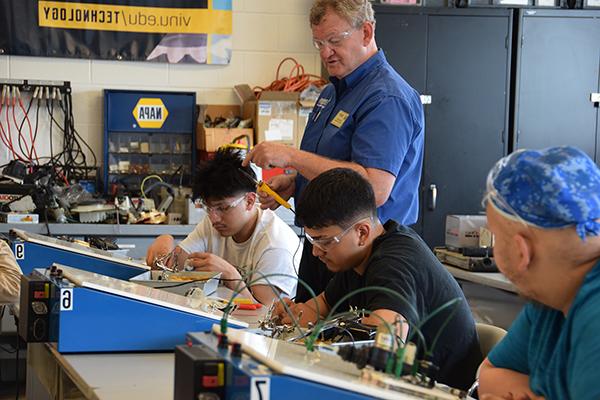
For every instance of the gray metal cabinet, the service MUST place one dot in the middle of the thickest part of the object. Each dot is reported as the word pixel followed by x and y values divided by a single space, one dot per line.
pixel 557 68
pixel 403 38
pixel 466 71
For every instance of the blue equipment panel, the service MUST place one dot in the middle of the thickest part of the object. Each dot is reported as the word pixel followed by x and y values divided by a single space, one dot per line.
pixel 91 313
pixel 36 251
pixel 245 378
pixel 255 366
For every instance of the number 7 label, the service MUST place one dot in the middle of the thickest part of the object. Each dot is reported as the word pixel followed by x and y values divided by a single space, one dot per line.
pixel 260 388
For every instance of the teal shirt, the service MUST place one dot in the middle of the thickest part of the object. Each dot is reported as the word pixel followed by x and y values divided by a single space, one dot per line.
pixel 560 355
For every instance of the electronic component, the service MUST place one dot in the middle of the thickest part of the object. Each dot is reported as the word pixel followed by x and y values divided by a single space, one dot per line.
pixel 470 263
pixel 260 367
pixel 37 301
pixel 202 373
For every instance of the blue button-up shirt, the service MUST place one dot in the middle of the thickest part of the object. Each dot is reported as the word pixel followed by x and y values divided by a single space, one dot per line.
pixel 374 118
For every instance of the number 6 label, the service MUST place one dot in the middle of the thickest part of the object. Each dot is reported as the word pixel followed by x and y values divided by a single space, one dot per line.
pixel 66 299
pixel 260 388
pixel 19 251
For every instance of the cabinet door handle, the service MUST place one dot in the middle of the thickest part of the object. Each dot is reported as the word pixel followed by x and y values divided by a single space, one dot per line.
pixel 432 196
pixel 425 99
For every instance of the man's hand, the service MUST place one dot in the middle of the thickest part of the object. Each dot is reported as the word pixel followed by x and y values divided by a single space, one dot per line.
pixel 161 246
pixel 269 155
pixel 301 312
pixel 283 185
pixel 214 263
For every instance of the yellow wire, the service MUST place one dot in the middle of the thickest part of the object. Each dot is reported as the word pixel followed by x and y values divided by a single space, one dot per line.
pixel 144 181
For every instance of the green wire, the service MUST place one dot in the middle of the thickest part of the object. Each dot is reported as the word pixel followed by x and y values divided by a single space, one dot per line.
pixel 239 289
pixel 312 338
pixel 309 342
pixel 443 326
pixel 382 289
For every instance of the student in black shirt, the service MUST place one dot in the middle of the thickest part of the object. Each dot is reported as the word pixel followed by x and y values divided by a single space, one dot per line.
pixel 339 214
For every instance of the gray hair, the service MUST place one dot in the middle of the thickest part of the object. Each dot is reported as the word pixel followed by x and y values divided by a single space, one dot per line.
pixel 356 12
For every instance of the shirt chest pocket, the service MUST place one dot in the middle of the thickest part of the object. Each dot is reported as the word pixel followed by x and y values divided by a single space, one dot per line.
pixel 336 142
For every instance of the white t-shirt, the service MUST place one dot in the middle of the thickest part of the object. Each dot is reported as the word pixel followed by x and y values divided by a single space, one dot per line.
pixel 272 248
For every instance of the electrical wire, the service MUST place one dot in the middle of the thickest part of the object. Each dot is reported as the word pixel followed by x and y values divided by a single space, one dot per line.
pixel 300 243
pixel 453 302
pixel 32 150
pixel 296 81
pixel 26 153
pixel 16 156
pixel 72 162
pixel 144 182
pixel 238 290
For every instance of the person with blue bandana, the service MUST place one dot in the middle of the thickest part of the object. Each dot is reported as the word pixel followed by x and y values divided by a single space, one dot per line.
pixel 368 119
pixel 544 210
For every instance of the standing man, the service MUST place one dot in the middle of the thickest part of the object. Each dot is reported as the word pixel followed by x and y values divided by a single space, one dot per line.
pixel 368 119
pixel 544 210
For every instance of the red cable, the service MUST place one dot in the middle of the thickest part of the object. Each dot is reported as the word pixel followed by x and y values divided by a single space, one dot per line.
pixel 9 135
pixel 64 178
pixel 296 81
pixel 32 151
pixel 21 138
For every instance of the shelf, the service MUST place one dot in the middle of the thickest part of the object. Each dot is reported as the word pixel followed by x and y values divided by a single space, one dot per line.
pixel 151 154
pixel 149 173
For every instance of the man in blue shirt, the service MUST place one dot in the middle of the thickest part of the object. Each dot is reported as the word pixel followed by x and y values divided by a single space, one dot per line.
pixel 368 119
pixel 543 208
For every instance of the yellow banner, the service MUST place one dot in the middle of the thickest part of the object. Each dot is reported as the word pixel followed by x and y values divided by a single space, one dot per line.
pixel 56 14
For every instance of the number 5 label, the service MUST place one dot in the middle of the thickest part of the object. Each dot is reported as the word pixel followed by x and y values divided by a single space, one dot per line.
pixel 260 388
pixel 66 299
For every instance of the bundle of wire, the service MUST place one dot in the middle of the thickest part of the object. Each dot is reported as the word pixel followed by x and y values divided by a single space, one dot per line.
pixel 71 162
pixel 296 81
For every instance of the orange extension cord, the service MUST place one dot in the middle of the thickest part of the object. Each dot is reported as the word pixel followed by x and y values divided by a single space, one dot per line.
pixel 296 81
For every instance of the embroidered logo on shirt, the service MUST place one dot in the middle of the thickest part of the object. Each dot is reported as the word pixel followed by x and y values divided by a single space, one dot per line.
pixel 339 119
pixel 323 102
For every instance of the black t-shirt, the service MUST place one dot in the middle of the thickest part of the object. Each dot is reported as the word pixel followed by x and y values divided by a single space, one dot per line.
pixel 400 260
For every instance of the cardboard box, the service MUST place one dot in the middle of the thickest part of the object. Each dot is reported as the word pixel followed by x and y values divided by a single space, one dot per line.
pixel 275 114
pixel 463 230
pixel 210 139
pixel 304 110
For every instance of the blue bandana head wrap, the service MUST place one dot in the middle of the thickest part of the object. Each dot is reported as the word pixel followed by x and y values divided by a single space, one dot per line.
pixel 550 188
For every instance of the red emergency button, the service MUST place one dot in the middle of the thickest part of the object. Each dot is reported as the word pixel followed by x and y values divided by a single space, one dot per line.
pixel 210 381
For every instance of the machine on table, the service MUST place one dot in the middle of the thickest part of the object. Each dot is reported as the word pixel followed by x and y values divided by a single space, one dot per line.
pixel 250 366
pixel 38 251
pixel 82 311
